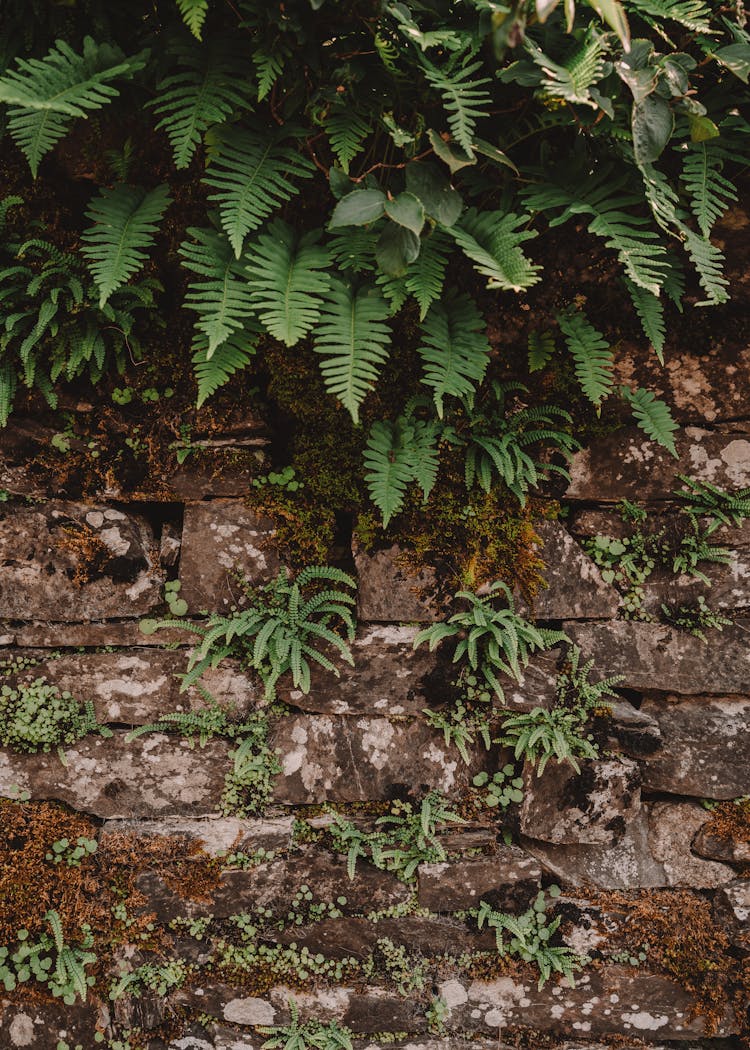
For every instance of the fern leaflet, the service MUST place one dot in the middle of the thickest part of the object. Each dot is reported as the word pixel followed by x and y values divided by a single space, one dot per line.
pixel 710 191
pixel 650 310
pixel 44 94
pixel 541 347
pixel 593 358
pixel 231 356
pixel 285 281
pixel 425 276
pixel 193 15
pixel 572 80
pixel 204 93
pixel 466 100
pixel 251 175
pixel 346 132
pixel 353 339
pixel 652 416
pixel 396 455
pixel 693 14
pixel 125 219
pixel 491 240
pixel 221 298
pixel 454 349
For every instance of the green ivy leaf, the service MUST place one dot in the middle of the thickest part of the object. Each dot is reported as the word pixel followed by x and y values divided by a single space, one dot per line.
pixel 736 58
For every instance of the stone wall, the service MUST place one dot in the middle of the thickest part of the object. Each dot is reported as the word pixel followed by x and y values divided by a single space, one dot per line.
pixel 651 867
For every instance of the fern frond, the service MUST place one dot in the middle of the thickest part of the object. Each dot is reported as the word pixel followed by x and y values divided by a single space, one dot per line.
pixel 465 99
pixel 44 94
pixel 710 191
pixel 594 361
pixel 572 79
pixel 285 281
pixel 650 310
pixel 425 276
pixel 193 14
pixel 352 339
pixel 252 176
pixel 221 298
pixel 209 87
pixel 652 416
pixel 454 349
pixel 215 369
pixel 346 132
pixel 353 249
pixel 269 65
pixel 491 239
pixel 693 14
pixel 541 347
pixel 396 455
pixel 125 218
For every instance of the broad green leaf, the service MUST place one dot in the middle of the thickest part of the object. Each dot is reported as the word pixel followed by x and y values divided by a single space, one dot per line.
pixel 396 248
pixel 493 153
pixel 358 208
pixel 652 128
pixel 440 200
pixel 455 156
pixel 408 211
pixel 736 58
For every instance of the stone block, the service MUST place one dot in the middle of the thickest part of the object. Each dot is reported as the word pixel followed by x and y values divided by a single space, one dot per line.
pixel 626 465
pixel 30 1023
pixel 69 561
pixel 575 588
pixel 653 656
pixel 219 538
pixel 216 836
pixel 390 591
pixel 593 806
pixel 732 906
pixel 507 880
pixel 707 747
pixel 672 828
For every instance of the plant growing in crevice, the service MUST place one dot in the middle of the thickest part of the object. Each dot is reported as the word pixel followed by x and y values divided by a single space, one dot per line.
pixel 52 962
pixel 307 1035
pixel 704 500
pixel 696 618
pixel 37 716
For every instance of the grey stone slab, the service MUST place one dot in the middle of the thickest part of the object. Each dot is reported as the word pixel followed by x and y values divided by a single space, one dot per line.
pixel 575 589
pixel 672 829
pixel 390 590
pixel 216 836
pixel 507 880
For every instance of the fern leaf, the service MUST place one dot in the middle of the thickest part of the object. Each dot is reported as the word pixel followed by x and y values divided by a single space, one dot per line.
pixel 205 92
pixel 285 281
pixel 212 371
pixel 491 240
pixel 346 132
pixel 125 220
pixel 251 175
pixel 44 94
pixel 693 14
pixel 221 298
pixel 352 339
pixel 425 276
pixel 465 99
pixel 541 347
pixel 389 463
pixel 193 14
pixel 353 249
pixel 711 193
pixel 571 80
pixel 269 66
pixel 652 416
pixel 454 349
pixel 651 312
pixel 8 384
pixel 593 358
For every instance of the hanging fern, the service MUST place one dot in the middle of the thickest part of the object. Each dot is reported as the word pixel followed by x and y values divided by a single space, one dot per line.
pixel 285 280
pixel 346 132
pixel 454 349
pixel 221 297
pixel 594 361
pixel 125 218
pixel 398 454
pixel 424 277
pixel 710 191
pixel 193 14
pixel 652 416
pixel 650 310
pixel 572 79
pixel 352 339
pixel 541 347
pixel 252 176
pixel 693 14
pixel 209 87
pixel 491 240
pixel 464 97
pixel 45 94
pixel 234 354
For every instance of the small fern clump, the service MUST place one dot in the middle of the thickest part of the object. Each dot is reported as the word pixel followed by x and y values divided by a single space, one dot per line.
pixel 53 963
pixel 702 499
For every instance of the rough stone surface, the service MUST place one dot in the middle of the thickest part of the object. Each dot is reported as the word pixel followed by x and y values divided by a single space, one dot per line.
pixel 733 911
pixel 154 775
pixel 423 935
pixel 612 1001
pixel 626 465
pixel 44 553
pixel 216 836
pixel 30 1025
pixel 351 759
pixel 636 731
pixel 507 880
pixel 390 591
pixel 651 656
pixel 732 849
pixel 219 538
pixel 672 828
pixel 575 589
pixel 701 734
pixel 592 806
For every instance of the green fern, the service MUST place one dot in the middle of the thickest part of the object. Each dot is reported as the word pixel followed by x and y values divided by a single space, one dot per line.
pixel 424 277
pixel 650 310
pixel 269 65
pixel 572 79
pixel 465 99
pixel 398 454
pixel 652 416
pixel 285 280
pixel 346 132
pixel 594 361
pixel 491 240
pixel 541 347
pixel 215 369
pixel 45 94
pixel 353 340
pixel 193 14
pixel 710 191
pixel 205 92
pixel 693 14
pixel 454 349
pixel 353 249
pixel 125 218
pixel 252 176
pixel 221 298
